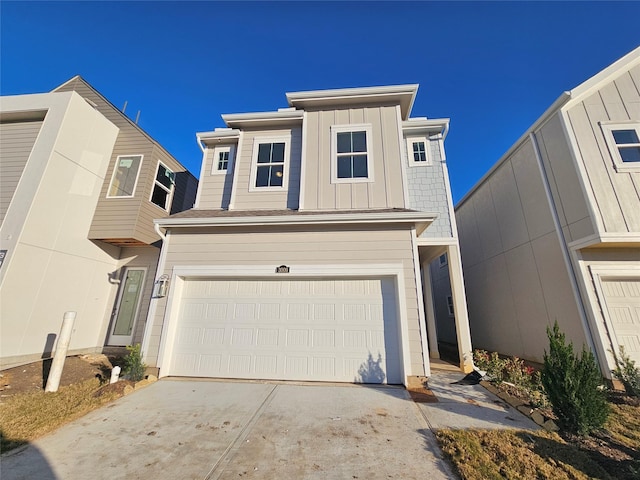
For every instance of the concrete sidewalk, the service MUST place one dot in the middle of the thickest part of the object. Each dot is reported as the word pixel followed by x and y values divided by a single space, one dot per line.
pixel 185 429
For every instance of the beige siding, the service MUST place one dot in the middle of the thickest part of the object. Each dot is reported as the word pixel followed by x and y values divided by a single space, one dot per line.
pixel 16 143
pixel 386 191
pixel 276 246
pixel 242 197
pixel 516 278
pixel 616 194
pixel 129 217
pixel 215 189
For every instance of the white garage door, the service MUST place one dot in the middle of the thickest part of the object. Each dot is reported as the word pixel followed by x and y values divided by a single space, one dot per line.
pixel 324 330
pixel 623 302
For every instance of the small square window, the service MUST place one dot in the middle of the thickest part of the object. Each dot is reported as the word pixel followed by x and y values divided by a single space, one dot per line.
pixel 270 164
pixel 443 261
pixel 418 151
pixel 624 145
pixel 222 159
pixel 163 187
pixel 351 154
pixel 450 306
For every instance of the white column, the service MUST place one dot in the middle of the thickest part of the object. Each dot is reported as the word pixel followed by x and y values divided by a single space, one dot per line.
pixel 427 293
pixel 460 309
pixel 61 352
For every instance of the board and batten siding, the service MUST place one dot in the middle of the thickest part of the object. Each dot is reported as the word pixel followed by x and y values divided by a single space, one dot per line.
pixel 616 194
pixel 216 188
pixel 245 199
pixel 515 275
pixel 16 142
pixel 131 217
pixel 386 191
pixel 291 246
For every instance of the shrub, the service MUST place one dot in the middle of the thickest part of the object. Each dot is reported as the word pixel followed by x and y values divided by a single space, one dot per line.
pixel 627 373
pixel 134 367
pixel 573 385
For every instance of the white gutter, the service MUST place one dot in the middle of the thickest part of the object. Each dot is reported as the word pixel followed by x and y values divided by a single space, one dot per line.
pixel 156 227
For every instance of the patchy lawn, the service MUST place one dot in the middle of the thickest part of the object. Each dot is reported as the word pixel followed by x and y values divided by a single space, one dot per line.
pixel 613 453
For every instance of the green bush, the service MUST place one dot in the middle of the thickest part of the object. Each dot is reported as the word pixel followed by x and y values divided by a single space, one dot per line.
pixel 627 373
pixel 573 386
pixel 134 367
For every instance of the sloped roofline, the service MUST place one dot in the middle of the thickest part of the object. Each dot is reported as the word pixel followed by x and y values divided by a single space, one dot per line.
pixel 565 100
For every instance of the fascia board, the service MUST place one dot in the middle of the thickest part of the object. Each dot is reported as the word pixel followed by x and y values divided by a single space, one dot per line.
pixel 240 119
pixel 416 125
pixel 556 106
pixel 419 218
pixel 217 137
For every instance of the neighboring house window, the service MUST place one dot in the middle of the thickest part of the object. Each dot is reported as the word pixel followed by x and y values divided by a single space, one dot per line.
pixel 450 305
pixel 125 176
pixel 443 260
pixel 222 159
pixel 351 153
pixel 624 144
pixel 163 187
pixel 417 148
pixel 269 166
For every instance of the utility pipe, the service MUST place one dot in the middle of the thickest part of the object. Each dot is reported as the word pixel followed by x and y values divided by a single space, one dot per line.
pixel 53 382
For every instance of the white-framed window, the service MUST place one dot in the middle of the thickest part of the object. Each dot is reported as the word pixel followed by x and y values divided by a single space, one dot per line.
pixel 351 153
pixel 443 261
pixel 163 184
pixel 623 140
pixel 125 176
pixel 418 151
pixel 270 163
pixel 450 305
pixel 222 159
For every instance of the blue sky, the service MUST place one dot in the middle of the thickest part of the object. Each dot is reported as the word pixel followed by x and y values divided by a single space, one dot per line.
pixel 492 67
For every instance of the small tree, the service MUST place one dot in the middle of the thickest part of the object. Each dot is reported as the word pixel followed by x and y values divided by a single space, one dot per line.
pixel 627 373
pixel 573 385
pixel 134 367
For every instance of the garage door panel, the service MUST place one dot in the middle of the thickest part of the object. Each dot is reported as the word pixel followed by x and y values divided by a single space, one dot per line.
pixel 339 330
pixel 622 299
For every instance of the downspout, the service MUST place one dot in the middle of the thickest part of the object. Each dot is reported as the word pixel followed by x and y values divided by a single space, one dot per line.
pixel 563 245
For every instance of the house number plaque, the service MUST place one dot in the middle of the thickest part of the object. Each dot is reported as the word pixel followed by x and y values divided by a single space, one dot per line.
pixel 282 269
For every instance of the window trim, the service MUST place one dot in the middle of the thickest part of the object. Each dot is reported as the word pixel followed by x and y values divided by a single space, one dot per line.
pixel 427 147
pixel 608 128
pixel 155 182
pixel 113 176
pixel 257 141
pixel 353 127
pixel 215 170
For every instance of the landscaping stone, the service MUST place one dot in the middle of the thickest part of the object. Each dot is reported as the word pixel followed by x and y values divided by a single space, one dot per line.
pixel 128 389
pixel 550 426
pixel 525 410
pixel 537 417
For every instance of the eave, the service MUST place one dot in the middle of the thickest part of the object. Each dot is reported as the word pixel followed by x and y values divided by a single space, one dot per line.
pixel 259 119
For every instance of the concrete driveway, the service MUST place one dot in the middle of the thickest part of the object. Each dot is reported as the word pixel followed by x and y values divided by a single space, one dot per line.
pixel 185 429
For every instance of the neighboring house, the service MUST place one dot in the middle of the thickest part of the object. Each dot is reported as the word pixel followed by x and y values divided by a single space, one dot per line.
pixel 302 257
pixel 552 231
pixel 80 187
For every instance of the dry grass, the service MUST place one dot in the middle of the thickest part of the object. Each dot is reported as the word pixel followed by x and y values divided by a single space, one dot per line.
pixel 612 454
pixel 26 417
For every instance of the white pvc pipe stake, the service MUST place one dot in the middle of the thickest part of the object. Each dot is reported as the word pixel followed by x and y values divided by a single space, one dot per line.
pixel 115 374
pixel 53 382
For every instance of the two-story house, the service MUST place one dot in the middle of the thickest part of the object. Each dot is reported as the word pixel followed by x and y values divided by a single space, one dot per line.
pixel 552 231
pixel 302 257
pixel 80 187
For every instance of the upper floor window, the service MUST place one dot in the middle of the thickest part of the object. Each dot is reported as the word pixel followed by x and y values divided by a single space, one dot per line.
pixel 417 149
pixel 624 144
pixel 269 164
pixel 222 159
pixel 443 261
pixel 351 153
pixel 125 176
pixel 163 187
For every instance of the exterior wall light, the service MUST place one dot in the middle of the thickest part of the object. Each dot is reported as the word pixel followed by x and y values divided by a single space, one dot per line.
pixel 161 286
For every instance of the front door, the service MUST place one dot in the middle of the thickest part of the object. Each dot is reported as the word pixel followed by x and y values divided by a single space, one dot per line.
pixel 126 310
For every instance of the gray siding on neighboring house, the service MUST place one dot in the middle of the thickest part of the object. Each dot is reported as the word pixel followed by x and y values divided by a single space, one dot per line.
pixel 428 193
pixel 616 194
pixel 516 278
pixel 16 142
pixel 386 191
pixel 245 199
pixel 130 217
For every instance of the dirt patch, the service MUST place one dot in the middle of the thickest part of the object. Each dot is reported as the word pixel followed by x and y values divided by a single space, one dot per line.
pixel 33 377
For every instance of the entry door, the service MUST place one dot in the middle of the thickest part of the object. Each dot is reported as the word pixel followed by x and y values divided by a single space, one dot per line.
pixel 126 310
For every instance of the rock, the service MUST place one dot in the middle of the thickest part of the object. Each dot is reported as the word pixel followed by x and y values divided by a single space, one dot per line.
pixel 525 410
pixel 514 401
pixel 537 417
pixel 142 384
pixel 152 378
pixel 128 389
pixel 550 426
